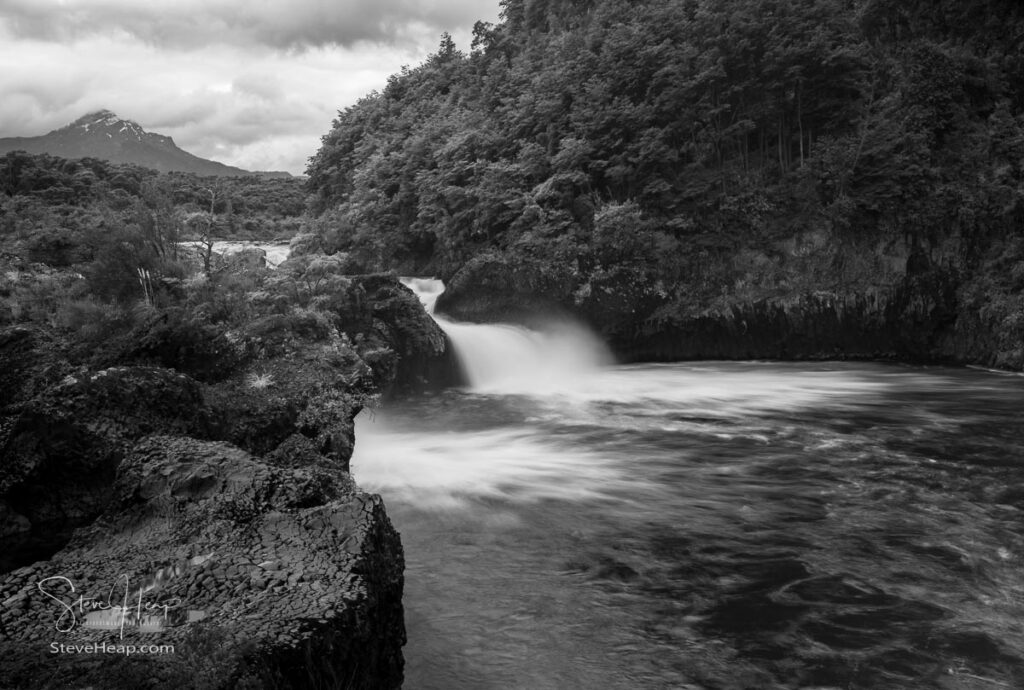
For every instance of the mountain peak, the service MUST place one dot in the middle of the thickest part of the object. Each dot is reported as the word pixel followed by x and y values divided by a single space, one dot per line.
pixel 102 134
pixel 109 123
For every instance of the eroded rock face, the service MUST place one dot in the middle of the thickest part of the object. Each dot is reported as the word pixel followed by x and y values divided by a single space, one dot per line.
pixel 296 574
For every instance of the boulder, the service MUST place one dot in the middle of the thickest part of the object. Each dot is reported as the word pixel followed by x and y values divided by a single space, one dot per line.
pixel 257 576
pixel 397 338
pixel 313 390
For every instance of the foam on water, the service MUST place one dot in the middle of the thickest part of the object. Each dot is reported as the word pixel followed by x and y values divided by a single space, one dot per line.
pixel 501 358
pixel 579 442
pixel 443 469
pixel 277 252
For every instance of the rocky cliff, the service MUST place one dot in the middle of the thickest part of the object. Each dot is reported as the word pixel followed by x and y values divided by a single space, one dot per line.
pixel 210 469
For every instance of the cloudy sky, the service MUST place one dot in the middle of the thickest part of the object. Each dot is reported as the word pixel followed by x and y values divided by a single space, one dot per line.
pixel 252 83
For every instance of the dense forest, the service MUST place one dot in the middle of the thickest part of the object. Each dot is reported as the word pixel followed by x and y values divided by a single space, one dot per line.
pixel 661 167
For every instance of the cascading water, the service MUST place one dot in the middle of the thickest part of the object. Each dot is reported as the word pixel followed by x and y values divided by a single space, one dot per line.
pixel 703 525
pixel 502 358
pixel 427 289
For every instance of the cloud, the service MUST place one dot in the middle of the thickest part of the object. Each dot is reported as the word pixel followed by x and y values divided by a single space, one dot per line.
pixel 214 103
pixel 241 104
pixel 287 25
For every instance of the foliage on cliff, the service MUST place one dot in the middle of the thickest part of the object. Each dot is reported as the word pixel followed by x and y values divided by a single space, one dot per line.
pixel 701 152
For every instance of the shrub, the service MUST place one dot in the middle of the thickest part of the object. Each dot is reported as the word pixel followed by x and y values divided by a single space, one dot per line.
pixel 177 339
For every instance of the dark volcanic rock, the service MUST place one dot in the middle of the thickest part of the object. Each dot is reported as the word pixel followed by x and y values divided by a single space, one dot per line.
pixel 295 574
pixel 61 450
pixel 906 322
pixel 30 362
pixel 310 387
pixel 232 494
pixel 393 316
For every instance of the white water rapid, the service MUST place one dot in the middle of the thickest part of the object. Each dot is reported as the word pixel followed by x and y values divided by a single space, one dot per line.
pixel 502 358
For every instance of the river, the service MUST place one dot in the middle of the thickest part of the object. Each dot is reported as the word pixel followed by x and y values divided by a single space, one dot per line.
pixel 580 524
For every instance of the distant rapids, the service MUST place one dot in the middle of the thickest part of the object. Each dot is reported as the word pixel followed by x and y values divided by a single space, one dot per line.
pixel 276 252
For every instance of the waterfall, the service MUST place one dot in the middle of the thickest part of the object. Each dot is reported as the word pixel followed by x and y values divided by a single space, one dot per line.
pixel 503 358
pixel 427 289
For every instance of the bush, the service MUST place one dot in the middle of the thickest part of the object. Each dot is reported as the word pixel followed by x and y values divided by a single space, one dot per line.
pixel 32 292
pixel 279 334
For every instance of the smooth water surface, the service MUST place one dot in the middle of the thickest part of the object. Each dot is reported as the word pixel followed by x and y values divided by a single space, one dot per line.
pixel 715 525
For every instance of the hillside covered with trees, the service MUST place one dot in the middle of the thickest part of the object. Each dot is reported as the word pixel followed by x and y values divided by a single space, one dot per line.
pixel 708 177
pixel 48 204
